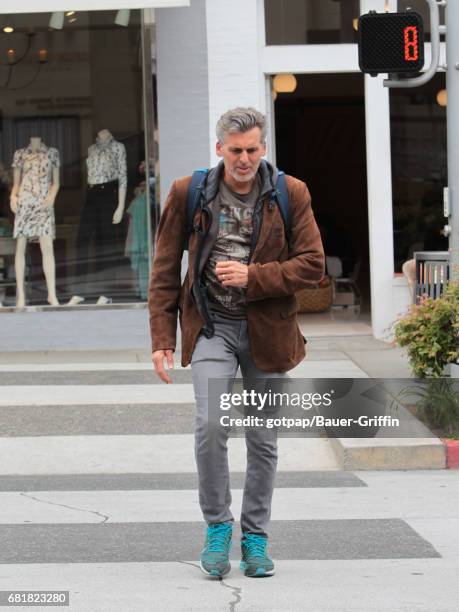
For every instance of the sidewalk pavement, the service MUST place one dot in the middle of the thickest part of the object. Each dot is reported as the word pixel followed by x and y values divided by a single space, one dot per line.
pixel 122 334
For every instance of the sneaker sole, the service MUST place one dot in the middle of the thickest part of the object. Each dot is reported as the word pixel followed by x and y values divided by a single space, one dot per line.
pixel 260 572
pixel 214 573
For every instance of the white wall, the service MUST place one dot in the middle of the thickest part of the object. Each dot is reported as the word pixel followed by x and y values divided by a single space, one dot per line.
pixel 235 75
pixel 208 60
pixel 401 299
pixel 183 92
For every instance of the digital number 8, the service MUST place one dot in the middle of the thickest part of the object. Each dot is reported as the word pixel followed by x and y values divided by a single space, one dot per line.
pixel 411 43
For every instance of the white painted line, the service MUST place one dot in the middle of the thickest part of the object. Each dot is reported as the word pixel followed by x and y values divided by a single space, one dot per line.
pixel 335 368
pixel 82 367
pixel 300 504
pixel 428 584
pixel 61 395
pixel 144 454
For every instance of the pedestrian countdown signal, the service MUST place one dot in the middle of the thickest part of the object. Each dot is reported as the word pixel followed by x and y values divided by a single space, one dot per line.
pixel 391 42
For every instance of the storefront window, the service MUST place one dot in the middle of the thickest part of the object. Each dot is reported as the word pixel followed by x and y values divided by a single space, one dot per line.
pixel 314 22
pixel 419 168
pixel 77 195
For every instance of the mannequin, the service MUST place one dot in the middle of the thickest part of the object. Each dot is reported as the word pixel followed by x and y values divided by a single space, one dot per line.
pixel 104 137
pixel 105 200
pixel 35 187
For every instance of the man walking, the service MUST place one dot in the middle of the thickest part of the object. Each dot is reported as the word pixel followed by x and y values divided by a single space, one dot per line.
pixel 236 307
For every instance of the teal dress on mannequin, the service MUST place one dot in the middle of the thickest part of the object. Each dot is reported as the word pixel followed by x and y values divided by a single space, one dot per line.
pixel 137 249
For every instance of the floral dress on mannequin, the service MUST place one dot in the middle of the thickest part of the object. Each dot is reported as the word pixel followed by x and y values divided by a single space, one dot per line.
pixel 36 166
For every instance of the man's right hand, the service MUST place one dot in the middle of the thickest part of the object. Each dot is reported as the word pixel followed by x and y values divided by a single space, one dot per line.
pixel 158 362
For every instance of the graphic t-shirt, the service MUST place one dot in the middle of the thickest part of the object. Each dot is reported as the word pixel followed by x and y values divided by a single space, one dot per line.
pixel 232 243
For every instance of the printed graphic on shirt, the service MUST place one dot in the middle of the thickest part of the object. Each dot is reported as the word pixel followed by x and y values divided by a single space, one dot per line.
pixel 233 242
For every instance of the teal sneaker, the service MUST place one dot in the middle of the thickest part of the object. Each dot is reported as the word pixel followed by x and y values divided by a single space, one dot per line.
pixel 255 561
pixel 214 556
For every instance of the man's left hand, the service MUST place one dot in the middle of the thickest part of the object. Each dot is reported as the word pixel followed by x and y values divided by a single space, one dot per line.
pixel 232 273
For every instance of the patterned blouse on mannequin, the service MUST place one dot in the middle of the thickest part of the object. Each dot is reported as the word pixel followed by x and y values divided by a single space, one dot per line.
pixel 36 166
pixel 107 161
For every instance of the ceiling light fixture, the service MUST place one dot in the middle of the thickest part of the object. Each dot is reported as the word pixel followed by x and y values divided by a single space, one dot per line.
pixel 442 97
pixel 8 24
pixel 56 21
pixel 284 83
pixel 122 17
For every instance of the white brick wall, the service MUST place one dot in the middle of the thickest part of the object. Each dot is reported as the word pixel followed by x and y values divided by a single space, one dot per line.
pixel 183 94
pixel 208 61
pixel 235 76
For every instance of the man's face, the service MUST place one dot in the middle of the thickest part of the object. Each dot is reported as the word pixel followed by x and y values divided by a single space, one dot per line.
pixel 242 153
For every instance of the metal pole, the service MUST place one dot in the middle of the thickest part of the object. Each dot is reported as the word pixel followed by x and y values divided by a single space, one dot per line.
pixel 452 115
pixel 147 108
pixel 435 47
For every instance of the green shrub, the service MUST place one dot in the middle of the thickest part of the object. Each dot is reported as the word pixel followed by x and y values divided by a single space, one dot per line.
pixel 430 331
pixel 438 404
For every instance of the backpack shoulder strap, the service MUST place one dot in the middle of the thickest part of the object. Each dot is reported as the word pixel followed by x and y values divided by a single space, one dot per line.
pixel 195 191
pixel 283 201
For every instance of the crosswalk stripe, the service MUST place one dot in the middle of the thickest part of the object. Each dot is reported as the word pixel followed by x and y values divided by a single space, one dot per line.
pixel 171 541
pixel 81 367
pixel 144 454
pixel 99 377
pixel 167 481
pixel 331 584
pixel 180 586
pixel 98 419
pixel 341 368
pixel 59 395
pixel 182 505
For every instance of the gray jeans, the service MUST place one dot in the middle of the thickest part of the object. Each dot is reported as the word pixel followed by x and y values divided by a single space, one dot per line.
pixel 220 357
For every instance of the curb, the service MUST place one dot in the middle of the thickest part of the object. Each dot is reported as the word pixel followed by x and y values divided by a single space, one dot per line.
pixel 390 453
pixel 452 453
pixel 416 448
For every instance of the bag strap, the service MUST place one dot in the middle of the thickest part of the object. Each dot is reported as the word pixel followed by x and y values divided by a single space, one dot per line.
pixel 194 195
pixel 280 194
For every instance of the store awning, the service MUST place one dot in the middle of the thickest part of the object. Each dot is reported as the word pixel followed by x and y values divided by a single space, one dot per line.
pixel 48 6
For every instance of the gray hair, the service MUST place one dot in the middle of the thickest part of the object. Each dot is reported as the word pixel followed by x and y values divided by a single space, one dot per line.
pixel 241 119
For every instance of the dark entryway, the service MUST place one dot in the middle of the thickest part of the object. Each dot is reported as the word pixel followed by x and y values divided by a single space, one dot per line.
pixel 320 139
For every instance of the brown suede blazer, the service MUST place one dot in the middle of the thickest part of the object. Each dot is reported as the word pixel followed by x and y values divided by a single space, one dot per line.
pixel 277 270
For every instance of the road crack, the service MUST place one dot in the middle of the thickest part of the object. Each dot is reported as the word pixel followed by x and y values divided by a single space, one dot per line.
pixel 237 591
pixel 193 564
pixel 44 501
